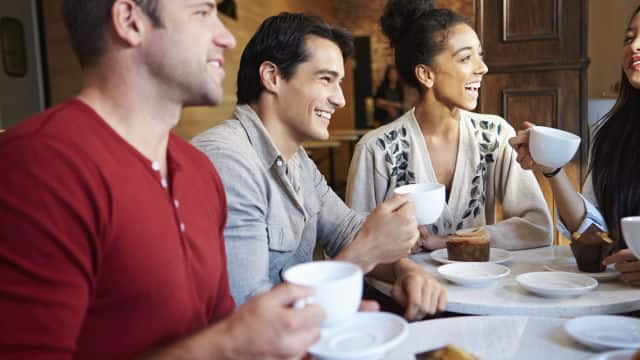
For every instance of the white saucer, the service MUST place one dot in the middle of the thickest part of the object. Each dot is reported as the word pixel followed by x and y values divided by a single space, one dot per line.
pixel 556 284
pixel 473 273
pixel 568 264
pixel 614 355
pixel 367 335
pixel 604 332
pixel 497 256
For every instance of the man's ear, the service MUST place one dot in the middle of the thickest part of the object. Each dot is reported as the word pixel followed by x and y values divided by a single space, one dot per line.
pixel 425 75
pixel 270 76
pixel 129 22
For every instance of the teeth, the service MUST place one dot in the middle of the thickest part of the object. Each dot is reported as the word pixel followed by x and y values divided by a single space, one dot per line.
pixel 214 63
pixel 323 114
pixel 474 86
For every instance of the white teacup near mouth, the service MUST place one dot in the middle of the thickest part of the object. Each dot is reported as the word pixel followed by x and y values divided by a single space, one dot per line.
pixel 631 231
pixel 551 147
pixel 429 200
pixel 337 285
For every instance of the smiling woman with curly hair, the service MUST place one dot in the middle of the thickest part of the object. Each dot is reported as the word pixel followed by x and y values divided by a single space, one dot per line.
pixel 441 141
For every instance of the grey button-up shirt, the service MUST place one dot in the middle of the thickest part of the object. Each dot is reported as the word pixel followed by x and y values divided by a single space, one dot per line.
pixel 273 222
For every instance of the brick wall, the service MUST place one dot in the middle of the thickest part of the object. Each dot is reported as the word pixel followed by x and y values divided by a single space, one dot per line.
pixel 65 77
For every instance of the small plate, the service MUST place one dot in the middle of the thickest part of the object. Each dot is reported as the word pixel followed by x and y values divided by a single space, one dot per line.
pixel 367 335
pixel 568 264
pixel 473 273
pixel 497 256
pixel 605 332
pixel 556 284
pixel 614 355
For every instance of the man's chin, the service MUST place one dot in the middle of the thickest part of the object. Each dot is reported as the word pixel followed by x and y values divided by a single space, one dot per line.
pixel 324 135
pixel 207 99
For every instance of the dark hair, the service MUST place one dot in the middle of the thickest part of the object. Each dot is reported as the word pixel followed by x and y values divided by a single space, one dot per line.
pixel 615 157
pixel 86 21
pixel 418 32
pixel 281 40
pixel 385 81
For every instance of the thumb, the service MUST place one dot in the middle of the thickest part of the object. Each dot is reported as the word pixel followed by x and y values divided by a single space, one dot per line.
pixel 394 203
pixel 528 125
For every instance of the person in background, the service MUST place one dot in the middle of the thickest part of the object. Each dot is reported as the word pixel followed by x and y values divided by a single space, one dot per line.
pixel 389 98
pixel 280 206
pixel 441 141
pixel 111 227
pixel 611 189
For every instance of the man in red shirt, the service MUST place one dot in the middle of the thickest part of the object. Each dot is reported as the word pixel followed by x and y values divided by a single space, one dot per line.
pixel 110 226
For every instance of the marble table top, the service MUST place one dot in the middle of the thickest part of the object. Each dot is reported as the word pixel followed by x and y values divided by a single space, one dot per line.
pixel 493 337
pixel 506 297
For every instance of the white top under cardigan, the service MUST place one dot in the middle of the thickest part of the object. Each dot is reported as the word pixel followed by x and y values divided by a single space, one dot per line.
pixel 486 173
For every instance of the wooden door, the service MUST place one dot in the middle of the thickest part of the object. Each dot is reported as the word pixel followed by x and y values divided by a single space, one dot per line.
pixel 536 54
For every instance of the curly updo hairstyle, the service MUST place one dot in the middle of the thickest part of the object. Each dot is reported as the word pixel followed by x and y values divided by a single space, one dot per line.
pixel 417 31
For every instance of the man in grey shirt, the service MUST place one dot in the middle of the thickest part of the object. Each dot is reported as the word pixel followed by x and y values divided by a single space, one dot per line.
pixel 279 204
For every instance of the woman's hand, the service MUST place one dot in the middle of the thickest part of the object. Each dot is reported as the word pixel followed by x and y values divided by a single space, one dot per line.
pixel 520 143
pixel 627 264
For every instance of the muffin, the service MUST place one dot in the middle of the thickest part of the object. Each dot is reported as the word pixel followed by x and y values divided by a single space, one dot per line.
pixel 469 245
pixel 448 352
pixel 590 248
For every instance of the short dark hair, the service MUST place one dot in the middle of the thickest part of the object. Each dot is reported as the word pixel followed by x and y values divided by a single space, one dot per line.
pixel 281 40
pixel 86 21
pixel 417 31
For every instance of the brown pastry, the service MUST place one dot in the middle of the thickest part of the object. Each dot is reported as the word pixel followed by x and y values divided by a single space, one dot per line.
pixel 590 248
pixel 448 352
pixel 469 245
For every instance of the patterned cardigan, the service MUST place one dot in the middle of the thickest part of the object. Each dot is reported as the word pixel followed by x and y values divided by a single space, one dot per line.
pixel 486 174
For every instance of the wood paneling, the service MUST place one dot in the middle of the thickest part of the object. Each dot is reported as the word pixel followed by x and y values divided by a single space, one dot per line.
pixel 532 31
pixel 536 54
pixel 523 21
pixel 550 98
pixel 539 106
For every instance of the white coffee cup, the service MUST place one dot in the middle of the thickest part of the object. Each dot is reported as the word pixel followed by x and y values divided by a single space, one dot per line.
pixel 337 285
pixel 551 147
pixel 429 200
pixel 631 232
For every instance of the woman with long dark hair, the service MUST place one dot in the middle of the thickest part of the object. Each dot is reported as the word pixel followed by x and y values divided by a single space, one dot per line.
pixel 611 190
pixel 389 98
pixel 441 141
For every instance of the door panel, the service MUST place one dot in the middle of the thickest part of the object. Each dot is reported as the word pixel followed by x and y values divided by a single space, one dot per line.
pixel 536 54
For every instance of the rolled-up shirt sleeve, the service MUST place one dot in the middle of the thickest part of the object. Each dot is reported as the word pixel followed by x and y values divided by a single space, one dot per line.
pixel 338 224
pixel 593 216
